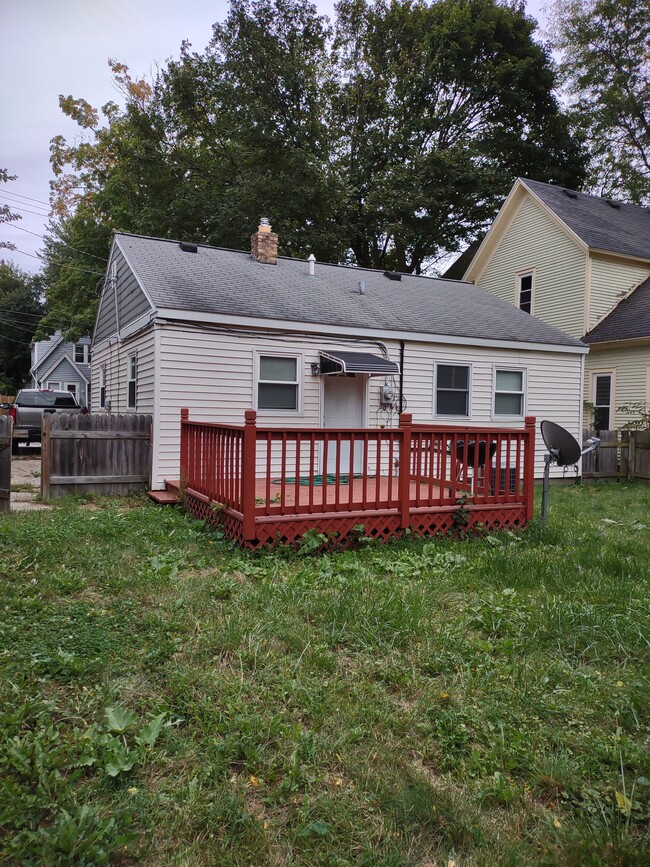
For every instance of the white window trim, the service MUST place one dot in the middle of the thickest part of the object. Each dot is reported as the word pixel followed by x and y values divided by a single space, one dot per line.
pixel 277 353
pixel 66 387
pixel 102 386
pixel 53 385
pixel 132 356
pixel 528 272
pixel 524 384
pixel 85 348
pixel 611 372
pixel 452 363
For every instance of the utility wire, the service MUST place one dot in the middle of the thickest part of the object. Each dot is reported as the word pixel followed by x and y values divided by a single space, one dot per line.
pixel 27 211
pixel 58 241
pixel 21 196
pixel 61 264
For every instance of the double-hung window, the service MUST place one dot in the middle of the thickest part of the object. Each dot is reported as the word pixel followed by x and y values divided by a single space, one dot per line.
pixel 278 383
pixel 602 391
pixel 132 382
pixel 451 394
pixel 102 386
pixel 81 353
pixel 509 389
pixel 525 292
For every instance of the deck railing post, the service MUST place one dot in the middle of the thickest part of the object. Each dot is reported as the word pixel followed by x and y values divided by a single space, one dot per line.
pixel 185 447
pixel 404 469
pixel 249 453
pixel 529 466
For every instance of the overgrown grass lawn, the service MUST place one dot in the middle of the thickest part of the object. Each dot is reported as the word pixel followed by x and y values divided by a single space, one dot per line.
pixel 166 699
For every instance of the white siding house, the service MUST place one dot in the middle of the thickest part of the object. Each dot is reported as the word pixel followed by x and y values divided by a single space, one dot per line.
pixel 221 332
pixel 587 263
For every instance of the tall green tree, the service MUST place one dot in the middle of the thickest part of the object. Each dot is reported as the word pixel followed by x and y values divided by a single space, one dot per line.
pixel 605 46
pixel 20 311
pixel 385 140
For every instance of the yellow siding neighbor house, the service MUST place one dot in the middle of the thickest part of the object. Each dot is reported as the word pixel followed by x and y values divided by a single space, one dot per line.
pixel 580 263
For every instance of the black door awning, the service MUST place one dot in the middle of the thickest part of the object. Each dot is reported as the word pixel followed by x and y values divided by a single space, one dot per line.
pixel 357 362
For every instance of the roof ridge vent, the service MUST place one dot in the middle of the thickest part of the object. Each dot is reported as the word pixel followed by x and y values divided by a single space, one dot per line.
pixel 393 275
pixel 570 193
pixel 613 204
pixel 186 247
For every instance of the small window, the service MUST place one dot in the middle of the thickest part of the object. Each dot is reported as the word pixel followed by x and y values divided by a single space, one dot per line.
pixel 509 392
pixel 277 387
pixel 452 389
pixel 102 386
pixel 526 293
pixel 602 401
pixel 132 381
pixel 72 388
pixel 53 385
pixel 81 353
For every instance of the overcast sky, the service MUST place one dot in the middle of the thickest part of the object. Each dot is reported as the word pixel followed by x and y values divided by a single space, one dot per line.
pixel 52 47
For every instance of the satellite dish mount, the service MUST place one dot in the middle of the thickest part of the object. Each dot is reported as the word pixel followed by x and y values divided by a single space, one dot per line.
pixel 563 450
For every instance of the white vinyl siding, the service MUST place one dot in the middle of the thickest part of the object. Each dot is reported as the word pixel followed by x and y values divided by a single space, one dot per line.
pixel 535 243
pixel 213 374
pixel 553 383
pixel 629 367
pixel 116 361
pixel 610 280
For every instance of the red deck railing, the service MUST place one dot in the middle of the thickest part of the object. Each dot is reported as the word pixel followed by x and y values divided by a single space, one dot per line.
pixel 264 478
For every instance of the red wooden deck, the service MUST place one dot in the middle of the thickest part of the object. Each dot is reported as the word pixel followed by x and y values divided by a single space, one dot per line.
pixel 265 487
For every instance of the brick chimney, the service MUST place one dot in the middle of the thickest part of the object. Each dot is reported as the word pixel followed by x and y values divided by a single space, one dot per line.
pixel 264 244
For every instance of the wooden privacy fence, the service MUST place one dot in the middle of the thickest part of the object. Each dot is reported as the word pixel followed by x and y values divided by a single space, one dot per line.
pixel 96 454
pixel 622 455
pixel 5 462
pixel 269 485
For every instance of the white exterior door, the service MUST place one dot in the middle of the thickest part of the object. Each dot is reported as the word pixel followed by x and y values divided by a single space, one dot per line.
pixel 344 407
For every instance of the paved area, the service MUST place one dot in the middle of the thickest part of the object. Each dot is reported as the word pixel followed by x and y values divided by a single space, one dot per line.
pixel 26 471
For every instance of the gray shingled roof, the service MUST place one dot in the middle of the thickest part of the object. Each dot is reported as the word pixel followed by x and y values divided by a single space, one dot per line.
pixel 629 319
pixel 624 229
pixel 228 282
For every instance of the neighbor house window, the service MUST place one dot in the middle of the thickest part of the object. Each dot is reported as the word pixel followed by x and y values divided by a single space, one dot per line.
pixel 102 386
pixel 132 381
pixel 508 392
pixel 81 353
pixel 72 388
pixel 278 383
pixel 525 292
pixel 602 391
pixel 53 385
pixel 452 389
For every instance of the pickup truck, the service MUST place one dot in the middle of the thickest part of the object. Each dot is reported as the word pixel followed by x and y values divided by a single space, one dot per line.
pixel 27 412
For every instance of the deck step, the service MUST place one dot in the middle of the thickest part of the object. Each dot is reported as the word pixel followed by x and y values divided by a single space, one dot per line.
pixel 164 498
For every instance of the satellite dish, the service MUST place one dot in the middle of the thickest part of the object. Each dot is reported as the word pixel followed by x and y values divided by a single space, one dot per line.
pixel 563 450
pixel 560 443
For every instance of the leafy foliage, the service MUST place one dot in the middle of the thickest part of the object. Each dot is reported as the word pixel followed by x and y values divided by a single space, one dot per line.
pixel 385 140
pixel 604 45
pixel 20 309
pixel 6 214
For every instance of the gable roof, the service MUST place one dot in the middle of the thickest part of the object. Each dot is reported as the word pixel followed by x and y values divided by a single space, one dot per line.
pixel 629 320
pixel 73 364
pixel 57 340
pixel 613 228
pixel 215 281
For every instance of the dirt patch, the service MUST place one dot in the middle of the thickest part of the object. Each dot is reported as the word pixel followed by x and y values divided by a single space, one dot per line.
pixel 26 475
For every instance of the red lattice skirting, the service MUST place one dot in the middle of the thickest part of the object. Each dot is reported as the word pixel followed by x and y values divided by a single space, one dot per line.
pixel 340 527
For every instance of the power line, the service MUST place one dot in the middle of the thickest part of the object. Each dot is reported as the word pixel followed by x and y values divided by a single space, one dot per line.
pixel 26 210
pixel 58 241
pixel 61 264
pixel 21 196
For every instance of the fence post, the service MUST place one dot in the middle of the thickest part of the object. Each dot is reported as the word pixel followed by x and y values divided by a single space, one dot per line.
pixel 404 469
pixel 46 454
pixel 631 455
pixel 529 466
pixel 5 462
pixel 185 447
pixel 249 454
